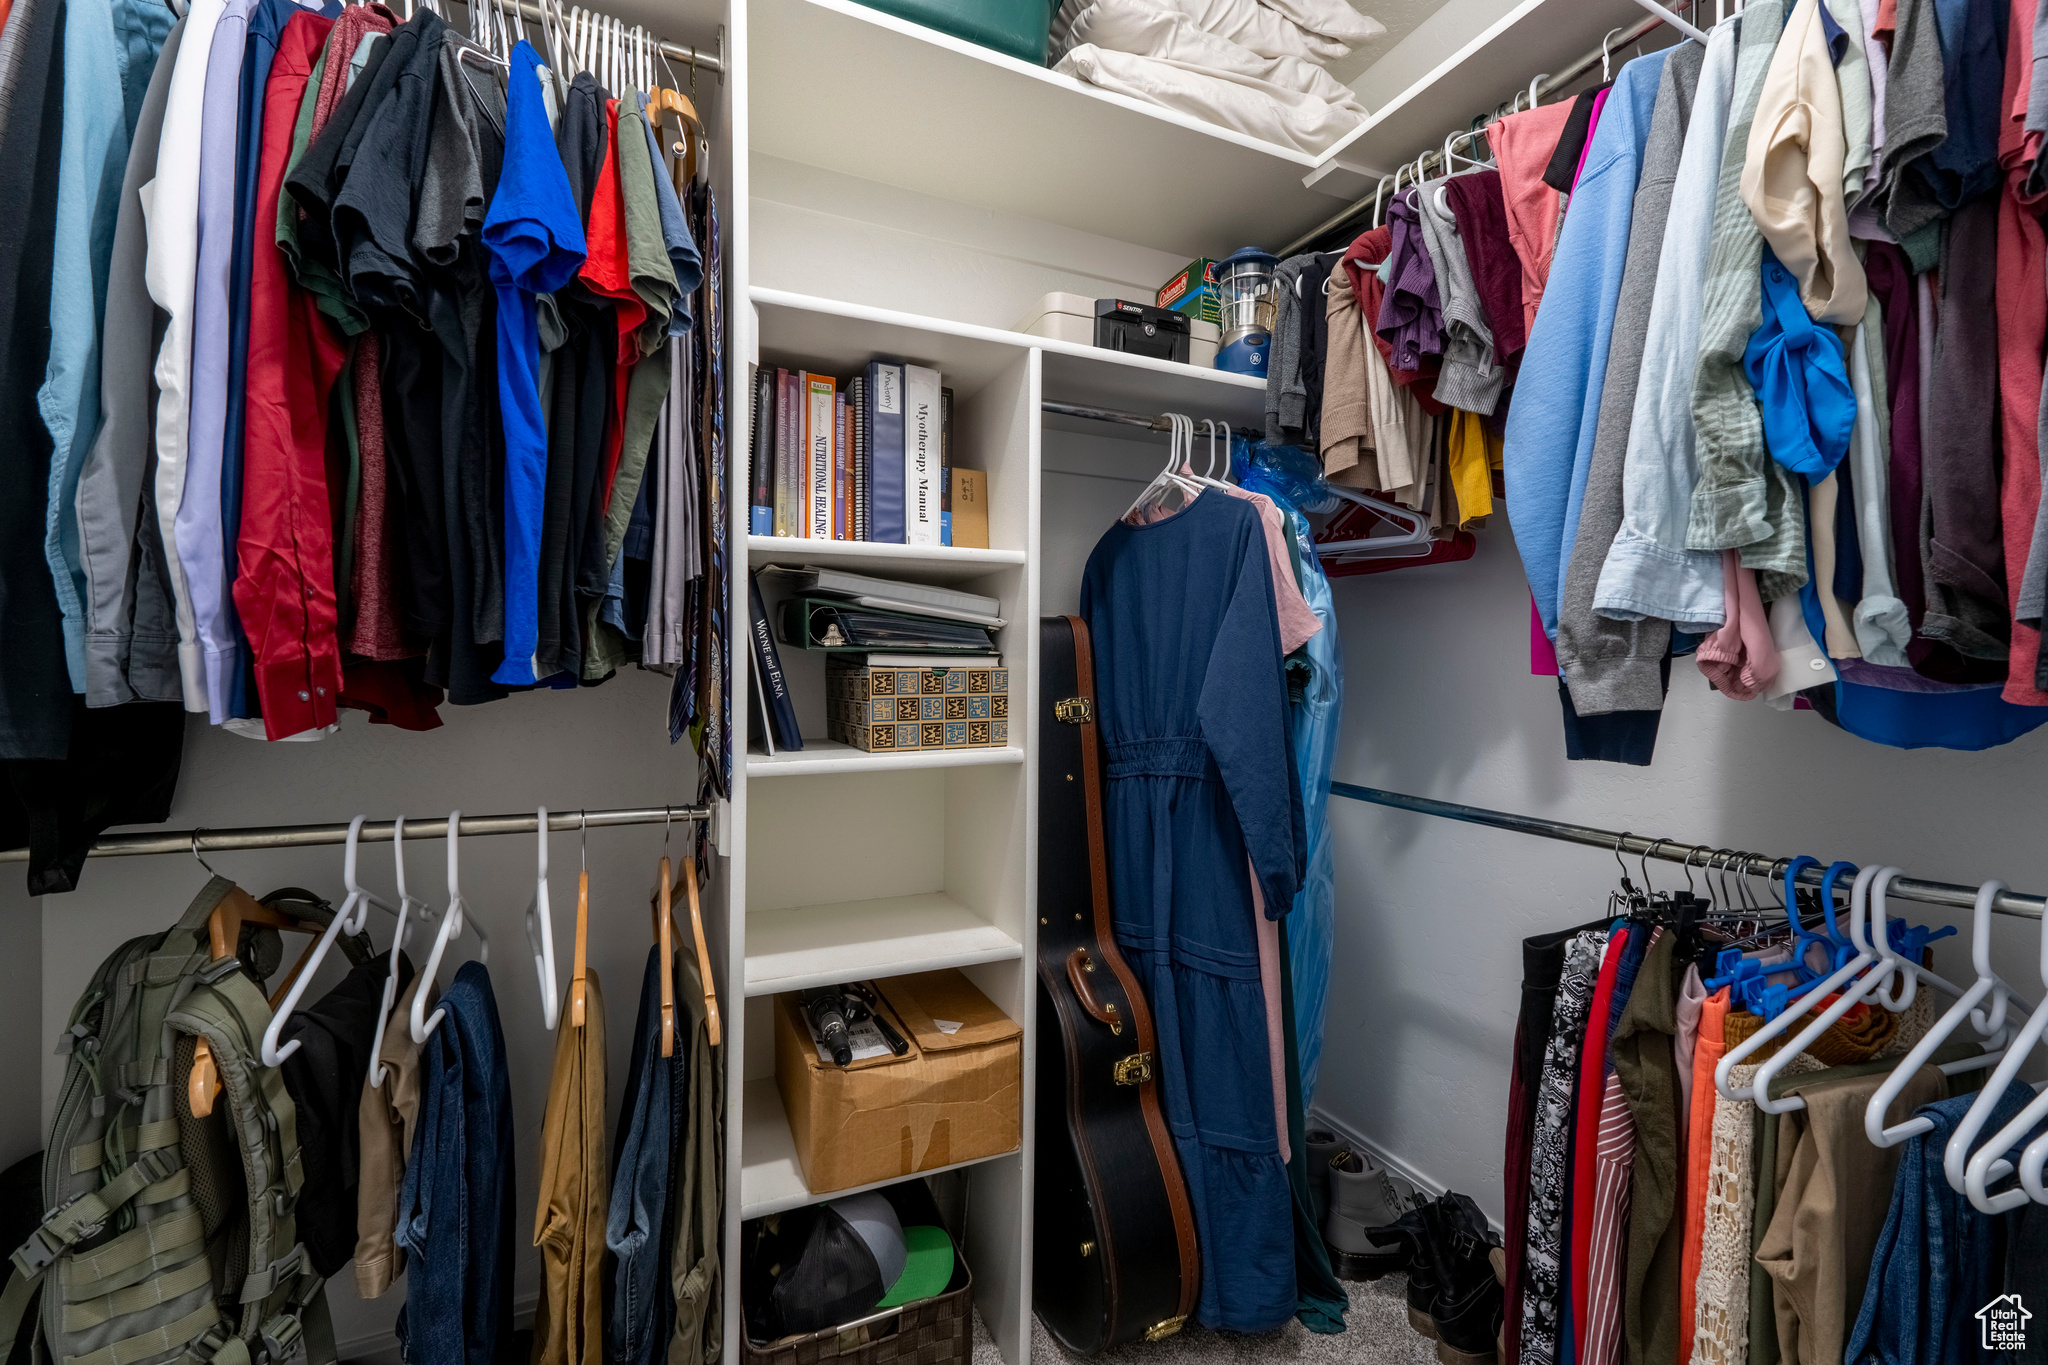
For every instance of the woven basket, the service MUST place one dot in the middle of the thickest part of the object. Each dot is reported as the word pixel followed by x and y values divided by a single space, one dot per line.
pixel 935 1331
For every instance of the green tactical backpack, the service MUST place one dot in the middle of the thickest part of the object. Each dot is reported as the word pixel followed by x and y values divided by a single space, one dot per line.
pixel 172 1238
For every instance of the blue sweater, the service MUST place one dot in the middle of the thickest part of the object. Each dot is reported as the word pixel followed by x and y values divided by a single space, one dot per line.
pixel 1549 442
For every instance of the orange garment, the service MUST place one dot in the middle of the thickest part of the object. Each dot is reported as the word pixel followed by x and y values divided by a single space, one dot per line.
pixel 1698 1152
pixel 2022 327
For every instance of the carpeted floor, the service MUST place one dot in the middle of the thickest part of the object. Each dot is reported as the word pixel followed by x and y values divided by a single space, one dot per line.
pixel 1376 1333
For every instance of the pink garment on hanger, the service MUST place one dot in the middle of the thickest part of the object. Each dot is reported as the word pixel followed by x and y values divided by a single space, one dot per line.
pixel 1740 658
pixel 1592 127
pixel 1298 620
pixel 1269 986
pixel 1542 654
pixel 1522 144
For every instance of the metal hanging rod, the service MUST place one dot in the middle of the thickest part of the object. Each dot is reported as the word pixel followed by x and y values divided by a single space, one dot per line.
pixel 1552 84
pixel 1671 851
pixel 679 52
pixel 313 836
pixel 1126 419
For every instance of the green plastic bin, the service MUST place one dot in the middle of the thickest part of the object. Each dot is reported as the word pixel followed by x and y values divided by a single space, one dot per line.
pixel 1015 28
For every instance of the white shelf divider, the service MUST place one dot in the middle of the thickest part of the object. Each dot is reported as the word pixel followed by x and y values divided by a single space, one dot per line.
pixel 830 756
pixel 771 1177
pixel 802 946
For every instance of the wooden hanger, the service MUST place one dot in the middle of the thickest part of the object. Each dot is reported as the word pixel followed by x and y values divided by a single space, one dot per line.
pixel 224 938
pixel 663 924
pixel 576 981
pixel 688 886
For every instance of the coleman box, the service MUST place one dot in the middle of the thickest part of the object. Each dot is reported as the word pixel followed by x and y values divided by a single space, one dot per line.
pixel 956 1094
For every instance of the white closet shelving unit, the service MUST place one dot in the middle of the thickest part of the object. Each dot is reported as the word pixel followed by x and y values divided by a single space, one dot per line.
pixel 843 864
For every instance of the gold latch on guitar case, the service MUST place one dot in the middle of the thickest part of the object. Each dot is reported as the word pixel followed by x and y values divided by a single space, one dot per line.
pixel 1073 711
pixel 1160 1330
pixel 1135 1069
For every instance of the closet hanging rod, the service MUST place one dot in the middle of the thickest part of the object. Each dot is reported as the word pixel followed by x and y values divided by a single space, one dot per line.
pixel 678 52
pixel 1671 851
pixel 255 837
pixel 1552 84
pixel 1125 419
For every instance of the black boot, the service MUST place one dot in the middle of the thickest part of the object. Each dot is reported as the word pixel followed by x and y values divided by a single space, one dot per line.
pixel 1467 1308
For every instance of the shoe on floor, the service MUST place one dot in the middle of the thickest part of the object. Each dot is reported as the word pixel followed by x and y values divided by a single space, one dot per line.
pixel 1467 1307
pixel 1358 1227
pixel 1324 1148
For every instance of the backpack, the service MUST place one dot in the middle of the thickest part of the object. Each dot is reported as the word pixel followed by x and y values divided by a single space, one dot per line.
pixel 171 1237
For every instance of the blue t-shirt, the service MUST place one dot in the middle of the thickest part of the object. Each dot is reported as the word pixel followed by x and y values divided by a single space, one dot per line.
pixel 536 246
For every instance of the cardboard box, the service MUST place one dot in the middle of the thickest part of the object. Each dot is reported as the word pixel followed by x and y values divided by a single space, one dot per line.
pixel 970 509
pixel 954 1097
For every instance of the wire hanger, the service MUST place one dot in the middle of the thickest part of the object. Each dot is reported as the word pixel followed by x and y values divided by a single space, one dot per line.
pixel 540 934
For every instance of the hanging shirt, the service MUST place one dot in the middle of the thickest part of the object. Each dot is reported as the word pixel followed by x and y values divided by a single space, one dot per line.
pixel 109 45
pixel 1800 378
pixel 131 637
pixel 536 246
pixel 285 593
pixel 172 209
pixel 199 524
pixel 1521 145
pixel 1551 425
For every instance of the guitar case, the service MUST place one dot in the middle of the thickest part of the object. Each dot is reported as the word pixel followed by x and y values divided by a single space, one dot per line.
pixel 1114 1255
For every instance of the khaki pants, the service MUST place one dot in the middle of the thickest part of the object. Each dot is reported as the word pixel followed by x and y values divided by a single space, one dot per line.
pixel 575 1193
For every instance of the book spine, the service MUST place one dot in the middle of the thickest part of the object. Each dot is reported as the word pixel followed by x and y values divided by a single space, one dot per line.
pixel 788 510
pixel 842 476
pixel 857 405
pixel 781 710
pixel 818 438
pixel 761 467
pixel 885 511
pixel 920 455
pixel 945 466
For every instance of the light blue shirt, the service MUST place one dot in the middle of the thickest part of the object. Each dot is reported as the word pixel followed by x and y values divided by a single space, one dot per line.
pixel 108 45
pixel 1549 439
pixel 201 544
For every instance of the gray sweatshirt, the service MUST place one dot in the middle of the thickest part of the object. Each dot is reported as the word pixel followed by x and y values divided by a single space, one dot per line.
pixel 1470 378
pixel 1286 393
pixel 1617 665
pixel 131 633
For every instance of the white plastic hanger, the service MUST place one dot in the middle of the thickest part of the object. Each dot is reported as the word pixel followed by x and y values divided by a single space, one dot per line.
pixel 406 904
pixel 1799 1008
pixel 1992 1026
pixel 453 921
pixel 1169 476
pixel 1413 541
pixel 1973 1171
pixel 349 919
pixel 1890 969
pixel 540 934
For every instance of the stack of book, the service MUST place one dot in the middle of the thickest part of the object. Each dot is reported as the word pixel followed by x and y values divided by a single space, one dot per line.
pixel 931 652
pixel 867 458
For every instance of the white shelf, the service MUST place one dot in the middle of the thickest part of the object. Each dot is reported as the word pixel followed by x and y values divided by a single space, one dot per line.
pixel 850 89
pixel 820 756
pixel 929 563
pixel 771 1178
pixel 838 337
pixel 1534 38
pixel 813 945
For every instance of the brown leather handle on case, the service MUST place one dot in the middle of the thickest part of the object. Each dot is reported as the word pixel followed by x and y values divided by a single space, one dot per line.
pixel 1079 970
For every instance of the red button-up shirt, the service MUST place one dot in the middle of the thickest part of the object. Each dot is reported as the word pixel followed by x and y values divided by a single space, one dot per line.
pixel 285 588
